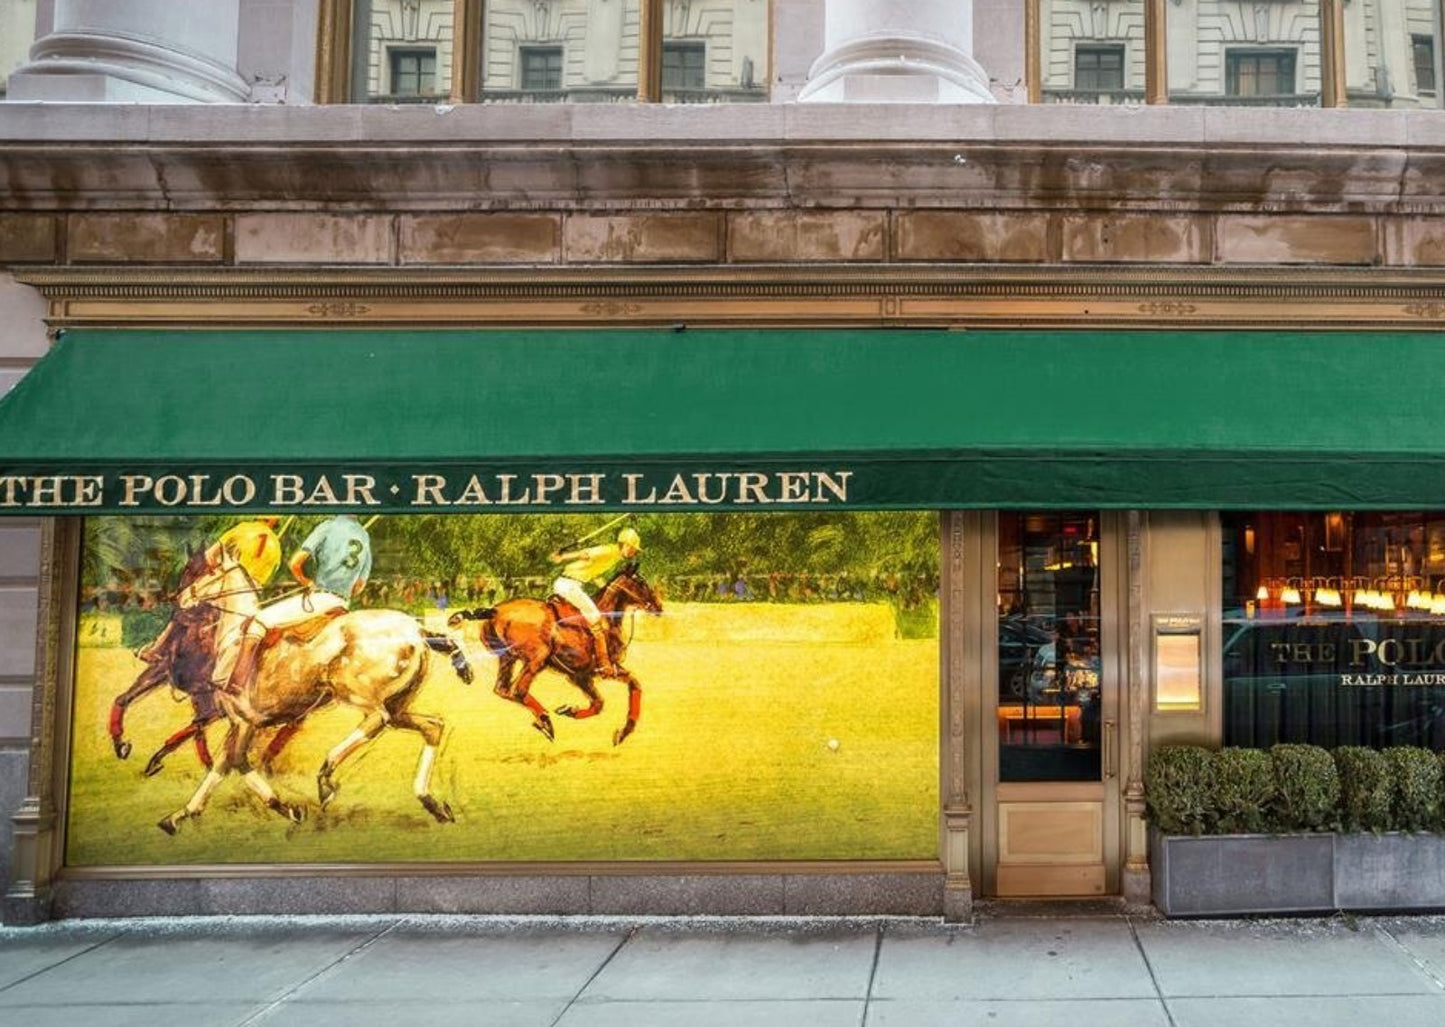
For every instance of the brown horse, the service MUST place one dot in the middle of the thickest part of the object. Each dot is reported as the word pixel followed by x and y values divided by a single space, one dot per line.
pixel 539 634
pixel 184 656
pixel 186 660
pixel 373 660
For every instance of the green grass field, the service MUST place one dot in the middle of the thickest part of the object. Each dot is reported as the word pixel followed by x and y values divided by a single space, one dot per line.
pixel 730 761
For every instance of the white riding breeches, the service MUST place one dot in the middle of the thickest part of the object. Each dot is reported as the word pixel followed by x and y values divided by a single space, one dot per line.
pixel 288 613
pixel 574 593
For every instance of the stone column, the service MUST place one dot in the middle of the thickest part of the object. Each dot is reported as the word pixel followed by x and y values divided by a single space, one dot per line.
pixel 897 51
pixel 141 51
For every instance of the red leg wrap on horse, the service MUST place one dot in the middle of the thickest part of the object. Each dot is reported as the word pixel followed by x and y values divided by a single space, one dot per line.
pixel 203 751
pixel 538 710
pixel 179 737
pixel 117 720
pixel 634 704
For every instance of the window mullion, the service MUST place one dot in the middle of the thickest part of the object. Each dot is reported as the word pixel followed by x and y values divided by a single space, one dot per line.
pixel 333 52
pixel 649 56
pixel 1332 54
pixel 466 84
pixel 1156 51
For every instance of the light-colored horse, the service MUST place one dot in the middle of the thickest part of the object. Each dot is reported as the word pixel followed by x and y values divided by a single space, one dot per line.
pixel 373 660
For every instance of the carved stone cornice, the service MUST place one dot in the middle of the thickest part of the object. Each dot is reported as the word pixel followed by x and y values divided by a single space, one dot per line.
pixel 480 157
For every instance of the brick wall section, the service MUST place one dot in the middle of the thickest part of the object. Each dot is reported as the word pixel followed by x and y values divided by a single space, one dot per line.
pixel 643 238
pixel 27 238
pixel 146 238
pixel 1297 240
pixel 715 237
pixel 1415 242
pixel 778 236
pixel 971 236
pixel 480 239
pixel 314 239
pixel 1125 238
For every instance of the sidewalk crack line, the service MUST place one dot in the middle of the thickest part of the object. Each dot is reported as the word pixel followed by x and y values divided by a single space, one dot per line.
pixel 872 976
pixel 1153 979
pixel 600 967
pixel 74 955
pixel 360 948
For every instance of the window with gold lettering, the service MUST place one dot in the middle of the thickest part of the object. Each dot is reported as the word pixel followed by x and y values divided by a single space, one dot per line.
pixel 1334 628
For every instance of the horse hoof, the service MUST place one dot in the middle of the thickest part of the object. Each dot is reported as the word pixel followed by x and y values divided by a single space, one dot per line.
pixel 566 711
pixel 544 725
pixel 326 789
pixel 295 814
pixel 438 809
pixel 169 825
pixel 622 733
pixel 153 767
pixel 122 749
pixel 455 619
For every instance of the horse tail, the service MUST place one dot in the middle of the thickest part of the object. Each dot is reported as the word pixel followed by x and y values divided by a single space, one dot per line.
pixel 438 642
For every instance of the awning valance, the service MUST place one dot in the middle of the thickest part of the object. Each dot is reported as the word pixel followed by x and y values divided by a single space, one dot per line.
pixel 489 421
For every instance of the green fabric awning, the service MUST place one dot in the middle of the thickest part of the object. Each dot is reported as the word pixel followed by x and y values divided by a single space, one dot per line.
pixel 195 421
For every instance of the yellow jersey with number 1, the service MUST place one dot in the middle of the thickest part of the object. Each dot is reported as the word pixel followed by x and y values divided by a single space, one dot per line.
pixel 255 547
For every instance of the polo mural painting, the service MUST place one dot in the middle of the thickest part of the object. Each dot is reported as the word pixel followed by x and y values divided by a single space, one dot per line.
pixel 523 687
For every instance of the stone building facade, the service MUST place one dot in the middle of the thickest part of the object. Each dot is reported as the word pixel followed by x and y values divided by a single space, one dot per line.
pixel 834 164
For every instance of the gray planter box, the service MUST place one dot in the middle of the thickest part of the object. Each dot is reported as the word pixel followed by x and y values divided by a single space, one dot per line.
pixel 1238 874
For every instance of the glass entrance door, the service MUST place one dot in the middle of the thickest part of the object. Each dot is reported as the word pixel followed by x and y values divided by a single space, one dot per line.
pixel 1052 704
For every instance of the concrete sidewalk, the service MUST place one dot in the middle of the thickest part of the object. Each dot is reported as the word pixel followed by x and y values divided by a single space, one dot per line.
pixel 1005 969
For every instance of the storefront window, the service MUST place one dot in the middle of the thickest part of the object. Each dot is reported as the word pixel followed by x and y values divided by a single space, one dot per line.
pixel 1391 57
pixel 1252 54
pixel 1092 52
pixel 1049 687
pixel 1334 629
pixel 785 703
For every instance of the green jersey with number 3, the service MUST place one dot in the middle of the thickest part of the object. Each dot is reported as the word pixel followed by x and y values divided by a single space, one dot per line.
pixel 341 550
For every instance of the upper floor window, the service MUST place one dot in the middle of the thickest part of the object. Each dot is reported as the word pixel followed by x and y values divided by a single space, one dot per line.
pixel 1423 51
pixel 413 74
pixel 1099 68
pixel 1356 53
pixel 1259 74
pixel 17 32
pixel 683 66
pixel 541 68
pixel 520 51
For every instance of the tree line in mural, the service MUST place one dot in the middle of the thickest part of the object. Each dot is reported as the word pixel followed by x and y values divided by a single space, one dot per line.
pixel 427 560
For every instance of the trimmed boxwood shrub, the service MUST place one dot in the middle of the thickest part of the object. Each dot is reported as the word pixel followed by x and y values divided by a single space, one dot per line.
pixel 1243 791
pixel 1290 788
pixel 1306 788
pixel 1415 796
pixel 1365 789
pixel 1179 789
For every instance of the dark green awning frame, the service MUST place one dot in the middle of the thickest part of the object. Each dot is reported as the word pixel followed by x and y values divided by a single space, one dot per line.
pixel 489 421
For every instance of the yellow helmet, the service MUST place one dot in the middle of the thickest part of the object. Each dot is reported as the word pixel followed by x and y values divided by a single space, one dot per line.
pixel 629 537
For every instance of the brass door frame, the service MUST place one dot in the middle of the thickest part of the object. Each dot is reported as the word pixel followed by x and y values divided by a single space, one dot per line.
pixel 983 699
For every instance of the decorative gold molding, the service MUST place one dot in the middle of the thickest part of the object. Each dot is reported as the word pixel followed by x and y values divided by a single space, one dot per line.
pixel 951 296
